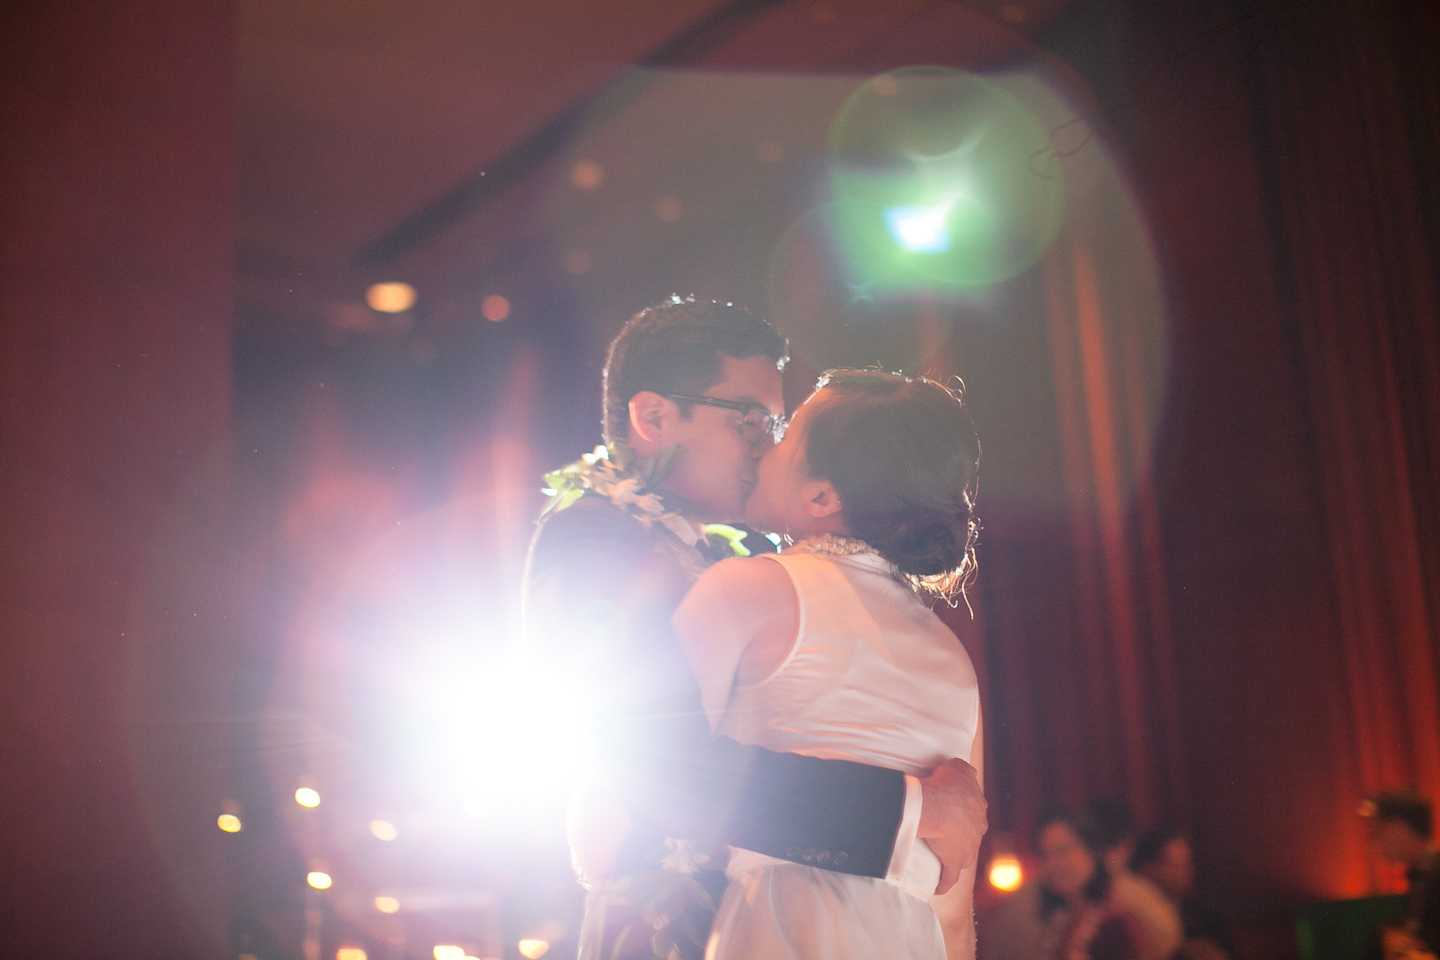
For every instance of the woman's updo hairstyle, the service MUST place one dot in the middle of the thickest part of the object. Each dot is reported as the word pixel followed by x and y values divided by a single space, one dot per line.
pixel 903 455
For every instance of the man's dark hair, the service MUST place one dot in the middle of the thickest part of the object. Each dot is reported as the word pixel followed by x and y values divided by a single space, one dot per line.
pixel 676 346
pixel 1151 844
pixel 1406 806
pixel 1113 819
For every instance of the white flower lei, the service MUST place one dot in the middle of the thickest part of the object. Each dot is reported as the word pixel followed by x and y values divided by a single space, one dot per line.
pixel 615 473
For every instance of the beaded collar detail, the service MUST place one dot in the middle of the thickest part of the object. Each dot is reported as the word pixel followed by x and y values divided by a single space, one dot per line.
pixel 833 545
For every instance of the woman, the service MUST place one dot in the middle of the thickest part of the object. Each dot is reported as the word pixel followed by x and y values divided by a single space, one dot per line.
pixel 1082 919
pixel 831 650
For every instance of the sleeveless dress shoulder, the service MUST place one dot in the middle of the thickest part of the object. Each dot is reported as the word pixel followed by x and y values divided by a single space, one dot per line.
pixel 873 676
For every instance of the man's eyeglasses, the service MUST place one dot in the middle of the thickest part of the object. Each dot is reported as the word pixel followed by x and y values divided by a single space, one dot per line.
pixel 755 424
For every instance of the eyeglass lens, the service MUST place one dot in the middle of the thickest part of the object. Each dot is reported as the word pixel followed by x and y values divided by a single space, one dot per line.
pixel 757 427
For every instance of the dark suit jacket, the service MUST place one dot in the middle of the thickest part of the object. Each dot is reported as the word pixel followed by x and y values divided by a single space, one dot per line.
pixel 599 598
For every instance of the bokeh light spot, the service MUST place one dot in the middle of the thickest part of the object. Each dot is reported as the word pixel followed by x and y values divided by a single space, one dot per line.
pixel 319 879
pixel 390 297
pixel 229 823
pixel 387 904
pixel 586 175
pixel 307 797
pixel 533 949
pixel 351 953
pixel 1006 873
pixel 448 951
pixel 495 308
pixel 383 830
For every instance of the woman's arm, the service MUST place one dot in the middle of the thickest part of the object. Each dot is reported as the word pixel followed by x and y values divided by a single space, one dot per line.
pixel 956 908
pixel 736 625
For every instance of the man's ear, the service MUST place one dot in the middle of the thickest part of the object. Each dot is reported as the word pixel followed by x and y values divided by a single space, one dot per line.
pixel 649 415
pixel 821 499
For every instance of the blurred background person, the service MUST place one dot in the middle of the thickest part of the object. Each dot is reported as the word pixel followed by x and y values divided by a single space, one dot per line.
pixel 1111 823
pixel 1401 826
pixel 1164 857
pixel 1076 909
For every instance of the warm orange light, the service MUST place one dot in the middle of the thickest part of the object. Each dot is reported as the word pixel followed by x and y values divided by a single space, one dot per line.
pixel 229 823
pixel 533 949
pixel 350 953
pixel 307 797
pixel 445 951
pixel 1006 873
pixel 383 830
pixel 668 209
pixel 391 297
pixel 387 904
pixel 318 879
pixel 495 307
pixel 586 175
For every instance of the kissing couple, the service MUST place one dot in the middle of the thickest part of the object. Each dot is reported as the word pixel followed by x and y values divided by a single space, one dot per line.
pixel 786 747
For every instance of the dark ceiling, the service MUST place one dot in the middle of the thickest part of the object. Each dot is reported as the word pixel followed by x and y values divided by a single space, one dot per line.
pixel 416 141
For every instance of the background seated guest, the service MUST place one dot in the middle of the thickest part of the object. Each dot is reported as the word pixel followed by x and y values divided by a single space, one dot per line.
pixel 1401 830
pixel 1165 858
pixel 1071 910
pixel 1111 829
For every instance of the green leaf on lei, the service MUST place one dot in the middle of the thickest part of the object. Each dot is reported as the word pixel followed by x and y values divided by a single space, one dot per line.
pixel 729 533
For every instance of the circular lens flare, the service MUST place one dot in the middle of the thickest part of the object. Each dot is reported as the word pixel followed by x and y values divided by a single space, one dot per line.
pixel 319 879
pixel 934 170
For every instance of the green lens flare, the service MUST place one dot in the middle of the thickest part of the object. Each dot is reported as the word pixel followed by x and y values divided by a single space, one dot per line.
pixel 934 171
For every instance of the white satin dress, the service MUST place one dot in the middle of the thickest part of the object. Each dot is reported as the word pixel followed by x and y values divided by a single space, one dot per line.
pixel 874 676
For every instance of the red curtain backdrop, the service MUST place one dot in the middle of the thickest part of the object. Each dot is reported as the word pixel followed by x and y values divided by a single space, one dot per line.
pixel 117 164
pixel 1237 630
pixel 1349 106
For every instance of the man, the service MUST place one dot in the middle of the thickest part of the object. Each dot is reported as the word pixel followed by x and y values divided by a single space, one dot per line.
pixel 1163 856
pixel 1159 928
pixel 1401 829
pixel 1075 850
pixel 692 399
